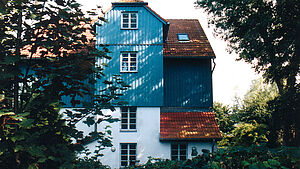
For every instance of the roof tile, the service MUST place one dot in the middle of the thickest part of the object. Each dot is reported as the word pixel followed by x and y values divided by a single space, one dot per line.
pixel 189 125
pixel 198 46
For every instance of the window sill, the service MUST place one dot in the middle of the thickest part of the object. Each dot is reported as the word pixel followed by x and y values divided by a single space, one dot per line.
pixel 129 28
pixel 128 71
pixel 128 130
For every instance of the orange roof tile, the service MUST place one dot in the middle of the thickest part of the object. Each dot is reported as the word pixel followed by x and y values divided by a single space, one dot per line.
pixel 198 46
pixel 188 125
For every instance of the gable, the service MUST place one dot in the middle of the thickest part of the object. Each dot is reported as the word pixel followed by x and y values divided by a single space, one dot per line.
pixel 150 26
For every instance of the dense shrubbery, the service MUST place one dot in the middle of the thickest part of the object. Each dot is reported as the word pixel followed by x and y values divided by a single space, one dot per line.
pixel 256 156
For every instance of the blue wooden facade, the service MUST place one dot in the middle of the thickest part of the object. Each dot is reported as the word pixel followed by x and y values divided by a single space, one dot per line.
pixel 147 41
pixel 159 81
pixel 188 83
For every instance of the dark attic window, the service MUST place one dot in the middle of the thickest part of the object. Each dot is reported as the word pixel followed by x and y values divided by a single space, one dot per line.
pixel 183 37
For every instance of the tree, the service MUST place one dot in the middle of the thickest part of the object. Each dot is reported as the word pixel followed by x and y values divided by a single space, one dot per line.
pixel 225 117
pixel 255 102
pixel 265 34
pixel 47 52
pixel 249 122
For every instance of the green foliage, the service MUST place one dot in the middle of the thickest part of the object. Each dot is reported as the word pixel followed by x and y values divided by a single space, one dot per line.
pixel 255 156
pixel 246 134
pixel 45 55
pixel 255 102
pixel 250 121
pixel 225 117
pixel 265 33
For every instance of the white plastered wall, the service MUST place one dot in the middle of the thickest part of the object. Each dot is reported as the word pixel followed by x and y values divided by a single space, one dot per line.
pixel 146 136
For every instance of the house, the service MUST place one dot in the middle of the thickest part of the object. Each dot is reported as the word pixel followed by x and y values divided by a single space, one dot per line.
pixel 168 64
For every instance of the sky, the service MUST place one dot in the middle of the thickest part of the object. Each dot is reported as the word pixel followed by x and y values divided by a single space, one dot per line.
pixel 231 78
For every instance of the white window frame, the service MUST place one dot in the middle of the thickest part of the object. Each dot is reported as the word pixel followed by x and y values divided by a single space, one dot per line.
pixel 128 118
pixel 178 156
pixel 129 62
pixel 129 20
pixel 129 153
pixel 187 39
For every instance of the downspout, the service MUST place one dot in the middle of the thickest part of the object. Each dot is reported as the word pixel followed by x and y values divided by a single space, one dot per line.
pixel 213 145
pixel 214 65
pixel 166 31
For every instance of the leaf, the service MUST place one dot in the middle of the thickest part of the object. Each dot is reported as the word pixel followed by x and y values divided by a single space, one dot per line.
pixel 273 162
pixel 245 163
pixel 215 165
pixel 266 164
pixel 89 121
pixel 42 160
pixel 27 123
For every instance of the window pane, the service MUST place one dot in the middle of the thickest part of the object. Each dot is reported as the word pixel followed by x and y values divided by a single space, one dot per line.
pixel 133 25
pixel 124 115
pixel 132 68
pixel 125 15
pixel 183 37
pixel 133 20
pixel 124 158
pixel 124 151
pixel 174 152
pixel 125 25
pixel 125 21
pixel 132 152
pixel 132 163
pixel 174 158
pixel 133 15
pixel 124 126
pixel 174 146
pixel 132 158
pixel 132 146
pixel 132 126
pixel 124 68
pixel 124 109
pixel 132 114
pixel 182 152
pixel 125 121
pixel 124 163
pixel 132 121
pixel 133 59
pixel 132 109
pixel 123 146
pixel 182 157
pixel 182 146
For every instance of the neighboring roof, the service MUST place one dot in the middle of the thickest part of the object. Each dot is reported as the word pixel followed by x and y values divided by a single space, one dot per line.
pixel 26 51
pixel 198 46
pixel 188 126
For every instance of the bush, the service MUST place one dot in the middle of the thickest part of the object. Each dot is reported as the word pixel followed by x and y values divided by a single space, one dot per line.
pixel 255 156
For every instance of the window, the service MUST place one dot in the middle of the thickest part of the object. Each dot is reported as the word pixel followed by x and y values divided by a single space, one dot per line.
pixel 128 118
pixel 128 154
pixel 129 20
pixel 129 62
pixel 183 37
pixel 178 152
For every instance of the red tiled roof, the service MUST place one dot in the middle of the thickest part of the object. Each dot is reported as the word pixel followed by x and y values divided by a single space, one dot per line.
pixel 198 46
pixel 188 125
